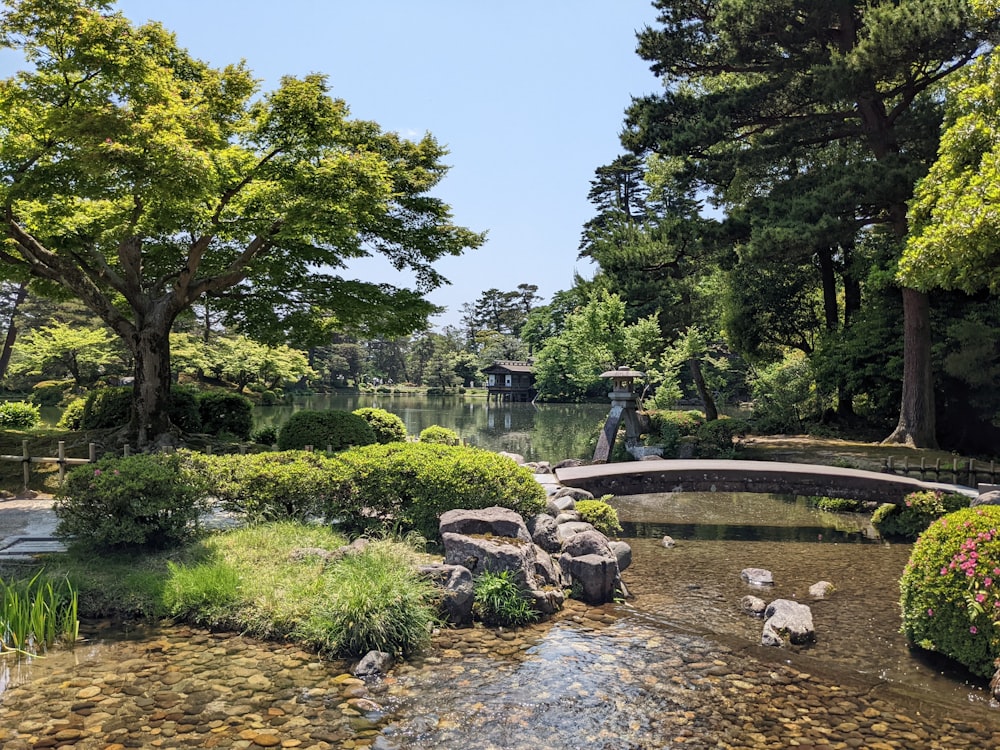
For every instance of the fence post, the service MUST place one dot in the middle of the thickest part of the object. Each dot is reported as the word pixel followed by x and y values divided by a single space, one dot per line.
pixel 62 461
pixel 93 453
pixel 127 450
pixel 954 470
pixel 922 467
pixel 26 464
pixel 888 465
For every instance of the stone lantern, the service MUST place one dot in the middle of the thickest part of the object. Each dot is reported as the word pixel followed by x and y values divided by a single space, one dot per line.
pixel 624 405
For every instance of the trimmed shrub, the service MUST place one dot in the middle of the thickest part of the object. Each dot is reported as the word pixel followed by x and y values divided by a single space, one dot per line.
pixel 407 486
pixel 388 427
pixel 265 435
pixel 336 429
pixel 289 485
pixel 72 415
pixel 715 438
pixel 600 515
pixel 950 589
pixel 438 435
pixel 225 413
pixel 374 600
pixel 107 408
pixel 835 504
pixel 50 392
pixel 499 601
pixel 918 511
pixel 18 415
pixel 142 501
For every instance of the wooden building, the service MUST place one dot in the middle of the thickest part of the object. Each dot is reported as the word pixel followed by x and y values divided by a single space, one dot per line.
pixel 510 381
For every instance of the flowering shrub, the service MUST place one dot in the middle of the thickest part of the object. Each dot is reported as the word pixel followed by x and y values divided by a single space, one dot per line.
pixel 950 589
pixel 918 511
pixel 152 501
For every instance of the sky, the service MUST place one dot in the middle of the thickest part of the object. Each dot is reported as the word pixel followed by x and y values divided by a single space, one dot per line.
pixel 528 96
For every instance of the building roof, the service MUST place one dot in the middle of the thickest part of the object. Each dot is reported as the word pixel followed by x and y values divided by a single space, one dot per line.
pixel 510 366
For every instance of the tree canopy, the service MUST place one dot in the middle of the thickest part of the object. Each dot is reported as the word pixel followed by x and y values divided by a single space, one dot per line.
pixel 142 180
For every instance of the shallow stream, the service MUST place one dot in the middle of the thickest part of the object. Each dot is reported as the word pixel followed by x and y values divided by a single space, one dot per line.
pixel 675 666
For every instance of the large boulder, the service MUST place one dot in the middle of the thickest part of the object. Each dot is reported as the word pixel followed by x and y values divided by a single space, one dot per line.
pixel 587 542
pixel 623 552
pixel 495 521
pixel 595 577
pixel 457 592
pixel 543 532
pixel 785 619
pixel 986 498
pixel 574 493
pixel 566 531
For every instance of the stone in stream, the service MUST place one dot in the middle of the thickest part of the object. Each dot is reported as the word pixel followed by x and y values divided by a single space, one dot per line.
pixel 783 619
pixel 372 663
pixel 457 591
pixel 757 576
pixel 821 589
pixel 753 605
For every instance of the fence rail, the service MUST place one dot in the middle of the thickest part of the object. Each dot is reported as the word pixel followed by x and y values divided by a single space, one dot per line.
pixel 960 471
pixel 27 460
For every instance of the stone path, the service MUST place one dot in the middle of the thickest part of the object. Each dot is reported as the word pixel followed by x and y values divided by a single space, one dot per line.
pixel 27 528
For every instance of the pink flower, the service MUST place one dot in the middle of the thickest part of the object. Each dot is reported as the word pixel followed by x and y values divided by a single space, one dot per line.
pixel 930 612
pixel 987 581
pixel 973 630
pixel 97 472
pixel 980 597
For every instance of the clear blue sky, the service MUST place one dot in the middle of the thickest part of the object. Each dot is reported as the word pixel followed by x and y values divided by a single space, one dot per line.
pixel 527 95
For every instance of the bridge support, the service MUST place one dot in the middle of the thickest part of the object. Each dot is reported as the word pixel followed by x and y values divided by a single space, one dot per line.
pixel 624 405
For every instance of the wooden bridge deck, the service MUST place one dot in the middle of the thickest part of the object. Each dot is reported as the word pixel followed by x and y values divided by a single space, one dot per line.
pixel 772 477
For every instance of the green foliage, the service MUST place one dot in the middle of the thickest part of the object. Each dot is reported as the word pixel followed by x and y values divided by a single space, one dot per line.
pixel 918 511
pixel 225 413
pixel 18 415
pixel 498 600
pixel 782 396
pixel 407 486
pixel 281 486
pixel 107 408
pixel 265 436
pixel 374 600
pixel 62 349
pixel 72 416
pixel 204 593
pixel 836 504
pixel 600 515
pixel 950 589
pixel 49 393
pixel 320 429
pixel 438 435
pixel 149 501
pixel 388 427
pixel 36 612
pixel 716 438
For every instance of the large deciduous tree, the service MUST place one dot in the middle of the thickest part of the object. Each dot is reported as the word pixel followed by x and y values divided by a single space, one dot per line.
pixel 142 180
pixel 757 94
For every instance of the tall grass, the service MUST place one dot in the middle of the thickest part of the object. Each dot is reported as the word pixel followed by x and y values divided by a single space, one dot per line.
pixel 37 612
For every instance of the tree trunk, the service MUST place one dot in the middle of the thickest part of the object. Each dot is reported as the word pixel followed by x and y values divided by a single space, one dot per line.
pixel 151 390
pixel 8 344
pixel 916 426
pixel 711 412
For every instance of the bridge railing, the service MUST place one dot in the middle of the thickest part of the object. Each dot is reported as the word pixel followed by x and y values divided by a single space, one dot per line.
pixel 968 472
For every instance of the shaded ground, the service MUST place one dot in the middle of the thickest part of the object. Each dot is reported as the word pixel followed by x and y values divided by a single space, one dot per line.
pixel 25 517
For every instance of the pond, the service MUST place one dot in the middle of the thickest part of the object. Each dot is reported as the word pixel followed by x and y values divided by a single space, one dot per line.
pixel 675 665
pixel 539 432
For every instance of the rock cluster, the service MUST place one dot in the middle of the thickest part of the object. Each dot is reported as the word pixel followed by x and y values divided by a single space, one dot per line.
pixel 784 619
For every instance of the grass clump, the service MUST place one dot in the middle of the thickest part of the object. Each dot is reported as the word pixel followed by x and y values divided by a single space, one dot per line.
pixel 835 504
pixel 499 601
pixel 37 612
pixel 374 600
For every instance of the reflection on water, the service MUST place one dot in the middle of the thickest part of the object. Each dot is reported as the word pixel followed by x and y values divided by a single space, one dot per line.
pixel 539 432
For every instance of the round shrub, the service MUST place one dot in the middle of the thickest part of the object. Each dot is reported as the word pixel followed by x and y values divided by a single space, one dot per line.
pixel 600 515
pixel 149 501
pixel 438 435
pixel 288 485
pixel 182 408
pixel 265 435
pixel 916 513
pixel 72 415
pixel 336 429
pixel 715 438
pixel 388 427
pixel 374 600
pixel 18 415
pixel 950 589
pixel 836 504
pixel 225 413
pixel 407 486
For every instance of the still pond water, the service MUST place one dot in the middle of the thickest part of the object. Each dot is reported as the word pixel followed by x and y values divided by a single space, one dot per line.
pixel 677 665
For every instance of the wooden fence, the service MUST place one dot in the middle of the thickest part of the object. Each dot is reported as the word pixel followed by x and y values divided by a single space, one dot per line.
pixel 27 460
pixel 967 472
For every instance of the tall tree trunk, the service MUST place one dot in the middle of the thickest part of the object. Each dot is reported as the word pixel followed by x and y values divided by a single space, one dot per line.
pixel 151 390
pixel 916 425
pixel 8 343
pixel 711 412
pixel 828 276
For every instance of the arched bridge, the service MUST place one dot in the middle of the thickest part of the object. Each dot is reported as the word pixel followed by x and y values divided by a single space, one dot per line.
pixel 772 477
